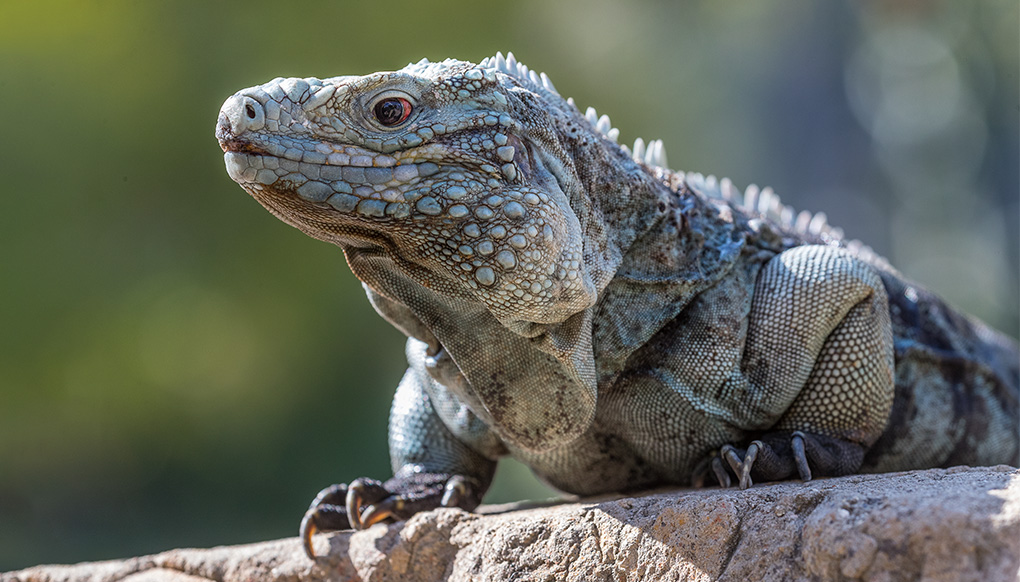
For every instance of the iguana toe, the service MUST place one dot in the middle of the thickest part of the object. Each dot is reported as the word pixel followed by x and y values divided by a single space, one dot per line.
pixel 800 456
pixel 368 493
pixel 327 512
pixel 741 465
pixel 322 518
pixel 366 502
pixel 784 455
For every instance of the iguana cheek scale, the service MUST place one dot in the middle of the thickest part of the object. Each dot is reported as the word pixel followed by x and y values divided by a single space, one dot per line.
pixel 612 323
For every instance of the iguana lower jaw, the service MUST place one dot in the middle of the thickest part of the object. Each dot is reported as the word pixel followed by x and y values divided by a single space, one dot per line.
pixel 450 190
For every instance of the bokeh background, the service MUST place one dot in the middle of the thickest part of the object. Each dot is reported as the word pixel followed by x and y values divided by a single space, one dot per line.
pixel 178 368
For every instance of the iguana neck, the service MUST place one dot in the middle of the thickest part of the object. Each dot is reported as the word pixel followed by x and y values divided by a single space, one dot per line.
pixel 615 199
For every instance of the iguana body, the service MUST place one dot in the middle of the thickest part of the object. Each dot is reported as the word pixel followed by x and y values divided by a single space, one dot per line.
pixel 611 323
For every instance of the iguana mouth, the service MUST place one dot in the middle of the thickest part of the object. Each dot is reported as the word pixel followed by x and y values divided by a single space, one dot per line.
pixel 358 183
pixel 229 142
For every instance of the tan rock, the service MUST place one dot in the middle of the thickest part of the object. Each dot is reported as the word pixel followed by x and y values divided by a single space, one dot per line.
pixel 944 524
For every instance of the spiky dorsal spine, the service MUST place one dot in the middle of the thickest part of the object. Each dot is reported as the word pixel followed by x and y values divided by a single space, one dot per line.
pixel 538 82
pixel 761 201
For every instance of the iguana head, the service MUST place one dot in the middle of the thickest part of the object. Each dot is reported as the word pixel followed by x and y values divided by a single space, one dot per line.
pixel 483 211
pixel 466 175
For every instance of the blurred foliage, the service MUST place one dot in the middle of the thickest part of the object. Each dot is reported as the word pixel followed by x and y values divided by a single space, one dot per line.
pixel 178 368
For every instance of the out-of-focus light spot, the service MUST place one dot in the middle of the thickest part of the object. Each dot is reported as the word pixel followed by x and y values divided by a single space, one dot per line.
pixel 904 86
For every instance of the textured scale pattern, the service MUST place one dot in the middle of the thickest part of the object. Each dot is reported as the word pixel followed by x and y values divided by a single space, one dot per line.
pixel 842 359
pixel 610 322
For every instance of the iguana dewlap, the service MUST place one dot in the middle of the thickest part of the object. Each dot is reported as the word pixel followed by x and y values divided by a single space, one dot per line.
pixel 612 323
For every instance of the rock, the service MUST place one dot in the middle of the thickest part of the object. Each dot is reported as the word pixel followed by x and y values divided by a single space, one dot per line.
pixel 955 524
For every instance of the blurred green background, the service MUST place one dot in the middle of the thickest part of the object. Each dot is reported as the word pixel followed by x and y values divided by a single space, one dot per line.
pixel 178 368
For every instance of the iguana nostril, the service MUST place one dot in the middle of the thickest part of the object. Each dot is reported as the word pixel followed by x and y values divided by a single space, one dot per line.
pixel 239 115
pixel 244 114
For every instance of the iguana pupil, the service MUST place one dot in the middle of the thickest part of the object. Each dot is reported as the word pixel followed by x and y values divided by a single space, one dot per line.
pixel 392 111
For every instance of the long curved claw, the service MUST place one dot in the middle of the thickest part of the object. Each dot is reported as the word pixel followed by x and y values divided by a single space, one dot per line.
pixel 320 518
pixel 354 504
pixel 748 462
pixel 363 493
pixel 308 529
pixel 380 511
pixel 800 456
pixel 729 453
pixel 741 466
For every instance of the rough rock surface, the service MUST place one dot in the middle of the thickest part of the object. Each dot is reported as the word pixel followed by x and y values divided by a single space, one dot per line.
pixel 942 524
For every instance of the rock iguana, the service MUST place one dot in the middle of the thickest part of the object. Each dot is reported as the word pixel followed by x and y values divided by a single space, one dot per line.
pixel 612 323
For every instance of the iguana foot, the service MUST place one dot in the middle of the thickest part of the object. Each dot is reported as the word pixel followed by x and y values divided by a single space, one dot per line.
pixel 781 455
pixel 366 502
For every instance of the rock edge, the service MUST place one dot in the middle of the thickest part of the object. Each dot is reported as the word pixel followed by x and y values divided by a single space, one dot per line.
pixel 955 524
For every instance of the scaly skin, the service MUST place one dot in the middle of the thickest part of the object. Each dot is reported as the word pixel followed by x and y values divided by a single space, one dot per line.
pixel 613 324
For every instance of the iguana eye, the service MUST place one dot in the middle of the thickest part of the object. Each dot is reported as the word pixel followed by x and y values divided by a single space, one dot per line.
pixel 392 111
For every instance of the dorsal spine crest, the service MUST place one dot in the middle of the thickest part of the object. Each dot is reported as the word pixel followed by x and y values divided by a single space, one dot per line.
pixel 761 201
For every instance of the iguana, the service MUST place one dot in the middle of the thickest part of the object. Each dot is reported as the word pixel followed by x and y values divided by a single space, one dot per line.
pixel 612 323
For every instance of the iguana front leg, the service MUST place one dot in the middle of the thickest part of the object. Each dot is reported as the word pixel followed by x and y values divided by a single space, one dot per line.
pixel 432 467
pixel 819 368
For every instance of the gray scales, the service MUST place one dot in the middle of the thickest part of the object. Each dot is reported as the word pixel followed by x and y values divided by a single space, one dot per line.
pixel 613 324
